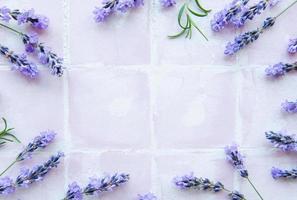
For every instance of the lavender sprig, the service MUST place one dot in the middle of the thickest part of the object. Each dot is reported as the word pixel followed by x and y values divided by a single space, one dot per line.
pixel 149 196
pixel 6 135
pixel 292 47
pixel 167 3
pixel 96 186
pixel 280 69
pixel 282 140
pixel 191 182
pixel 236 159
pixel 45 55
pixel 110 6
pixel 224 17
pixel 252 11
pixel 279 173
pixel 39 142
pixel 22 17
pixel 27 176
pixel 289 106
pixel 19 62
pixel 249 37
pixel 6 186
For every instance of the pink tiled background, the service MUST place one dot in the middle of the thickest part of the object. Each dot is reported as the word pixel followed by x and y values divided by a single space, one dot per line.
pixel 133 101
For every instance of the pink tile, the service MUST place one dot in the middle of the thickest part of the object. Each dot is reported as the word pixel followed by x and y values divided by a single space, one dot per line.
pixel 260 105
pixel 137 165
pixel 206 165
pixel 109 108
pixel 259 166
pixel 123 39
pixel 195 108
pixel 194 51
pixel 32 106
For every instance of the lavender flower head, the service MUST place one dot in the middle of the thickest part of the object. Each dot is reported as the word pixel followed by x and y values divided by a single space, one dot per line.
pixel 6 186
pixel 149 196
pixel 192 182
pixel 20 63
pixel 290 106
pixel 282 140
pixel 22 17
pixel 225 16
pixel 30 41
pixel 167 3
pixel 236 159
pixel 97 186
pixel 279 173
pixel 292 47
pixel 74 192
pixel 280 69
pixel 235 195
pixel 245 39
pixel 39 142
pixel 37 173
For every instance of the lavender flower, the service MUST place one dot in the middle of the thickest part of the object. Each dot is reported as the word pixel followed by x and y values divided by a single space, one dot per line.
pixel 279 173
pixel 74 192
pixel 97 186
pixel 39 142
pixel 280 69
pixel 192 182
pixel 6 186
pixel 235 195
pixel 224 17
pixel 28 16
pixel 244 39
pixel 27 176
pixel 282 140
pixel 292 47
pixel 110 6
pixel 149 196
pixel 236 159
pixel 290 106
pixel 20 62
pixel 31 42
pixel 167 3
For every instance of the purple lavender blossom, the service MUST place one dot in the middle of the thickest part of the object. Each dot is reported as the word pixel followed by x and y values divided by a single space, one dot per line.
pixel 236 159
pixel 276 70
pixel 6 186
pixel 28 16
pixel 282 140
pixel 192 182
pixel 5 14
pixel 30 41
pixel 97 186
pixel 167 3
pixel 149 196
pixel 74 192
pixel 292 47
pixel 290 106
pixel 279 173
pixel 225 16
pixel 124 5
pixel 39 142
pixel 20 63
pixel 249 37
pixel 235 195
pixel 37 173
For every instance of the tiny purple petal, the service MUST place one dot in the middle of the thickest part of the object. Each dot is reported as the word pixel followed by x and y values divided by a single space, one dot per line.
pixel 290 106
pixel 167 3
pixel 6 186
pixel 149 196
pixel 292 47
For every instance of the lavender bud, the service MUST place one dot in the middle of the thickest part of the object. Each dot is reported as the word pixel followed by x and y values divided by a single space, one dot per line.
pixel 167 3
pixel 6 186
pixel 282 140
pixel 280 69
pixel 236 159
pixel 5 14
pixel 74 192
pixel 290 106
pixel 149 196
pixel 279 173
pixel 292 47
pixel 235 195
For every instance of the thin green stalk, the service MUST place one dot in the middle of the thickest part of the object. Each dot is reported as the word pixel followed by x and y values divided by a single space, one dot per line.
pixel 254 188
pixel 292 4
pixel 8 167
pixel 12 29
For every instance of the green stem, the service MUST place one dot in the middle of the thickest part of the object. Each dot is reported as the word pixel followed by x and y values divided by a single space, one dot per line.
pixel 12 29
pixel 254 188
pixel 8 167
pixel 292 4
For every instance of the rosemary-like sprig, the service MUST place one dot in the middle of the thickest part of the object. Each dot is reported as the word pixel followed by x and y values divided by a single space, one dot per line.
pixel 187 12
pixel 6 135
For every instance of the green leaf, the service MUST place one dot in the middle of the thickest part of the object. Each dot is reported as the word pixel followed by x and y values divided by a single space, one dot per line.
pixel 200 6
pixel 196 14
pixel 14 137
pixel 180 14
pixel 177 35
pixel 1 143
pixel 199 30
pixel 6 139
pixel 5 123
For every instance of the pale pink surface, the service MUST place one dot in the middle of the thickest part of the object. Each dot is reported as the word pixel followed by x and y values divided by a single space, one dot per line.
pixel 133 101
